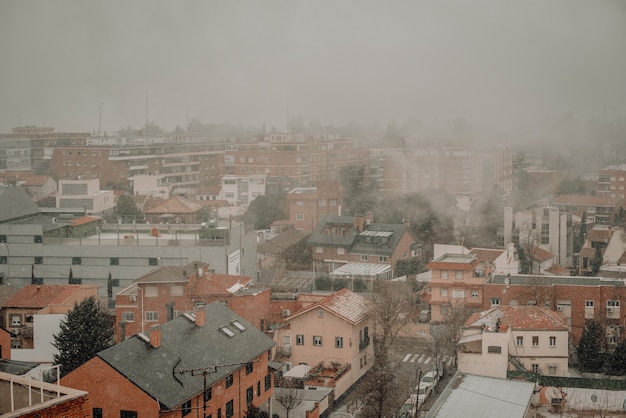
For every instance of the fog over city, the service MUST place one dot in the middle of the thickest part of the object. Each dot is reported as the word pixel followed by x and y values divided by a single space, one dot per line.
pixel 499 65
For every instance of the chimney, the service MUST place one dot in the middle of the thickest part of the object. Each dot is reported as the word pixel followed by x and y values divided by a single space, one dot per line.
pixel 123 331
pixel 155 336
pixel 200 317
pixel 170 311
pixel 358 221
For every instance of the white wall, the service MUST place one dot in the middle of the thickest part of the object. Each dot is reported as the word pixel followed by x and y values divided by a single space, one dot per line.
pixel 44 329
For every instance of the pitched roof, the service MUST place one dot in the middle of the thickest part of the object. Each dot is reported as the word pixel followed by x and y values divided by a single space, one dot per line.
pixel 580 200
pixel 38 296
pixel 281 242
pixel 534 280
pixel 539 254
pixel 600 234
pixel 186 346
pixel 486 254
pixel 84 220
pixel 558 270
pixel 15 203
pixel 344 303
pixel 519 318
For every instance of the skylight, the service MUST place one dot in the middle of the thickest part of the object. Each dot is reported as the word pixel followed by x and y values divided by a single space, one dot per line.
pixel 227 331
pixel 238 325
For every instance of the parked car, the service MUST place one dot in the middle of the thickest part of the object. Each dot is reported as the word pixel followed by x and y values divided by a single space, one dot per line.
pixel 407 410
pixel 431 378
pixel 423 392
pixel 424 316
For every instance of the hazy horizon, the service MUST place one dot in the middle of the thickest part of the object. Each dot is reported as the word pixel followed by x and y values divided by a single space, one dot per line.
pixel 500 64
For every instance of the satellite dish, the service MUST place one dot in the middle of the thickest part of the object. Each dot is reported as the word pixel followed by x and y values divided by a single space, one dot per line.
pixel 553 393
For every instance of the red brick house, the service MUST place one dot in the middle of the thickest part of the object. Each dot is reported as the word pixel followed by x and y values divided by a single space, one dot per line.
pixel 308 205
pixel 169 291
pixel 211 363
pixel 339 240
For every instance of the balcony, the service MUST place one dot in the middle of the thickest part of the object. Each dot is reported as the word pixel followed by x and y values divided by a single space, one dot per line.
pixel 365 343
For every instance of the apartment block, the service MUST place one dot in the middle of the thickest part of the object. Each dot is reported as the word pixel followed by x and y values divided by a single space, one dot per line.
pixel 309 205
pixel 612 181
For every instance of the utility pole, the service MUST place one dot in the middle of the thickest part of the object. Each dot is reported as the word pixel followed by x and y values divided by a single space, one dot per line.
pixel 100 119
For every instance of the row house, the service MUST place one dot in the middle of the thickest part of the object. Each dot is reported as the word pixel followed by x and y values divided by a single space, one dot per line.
pixel 333 336
pixel 34 314
pixel 507 338
pixel 546 227
pixel 170 291
pixel 208 363
pixel 612 181
pixel 305 163
pixel 309 205
pixel 598 209
pixel 578 298
pixel 462 171
pixel 339 240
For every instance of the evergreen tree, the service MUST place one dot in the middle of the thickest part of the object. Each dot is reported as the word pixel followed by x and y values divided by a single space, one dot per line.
pixel 127 210
pixel 264 210
pixel 590 351
pixel 617 359
pixel 86 330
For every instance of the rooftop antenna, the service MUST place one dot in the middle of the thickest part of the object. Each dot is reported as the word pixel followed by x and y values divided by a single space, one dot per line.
pixel 147 112
pixel 100 118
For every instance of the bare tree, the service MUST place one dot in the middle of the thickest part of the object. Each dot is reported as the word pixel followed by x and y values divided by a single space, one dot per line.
pixel 288 395
pixel 446 335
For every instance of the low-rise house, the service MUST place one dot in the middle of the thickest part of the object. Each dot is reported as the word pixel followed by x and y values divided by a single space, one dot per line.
pixel 493 261
pixel 174 210
pixel 603 246
pixel 514 337
pixel 333 336
pixel 34 315
pixel 28 398
pixel 85 195
pixel 169 291
pixel 212 362
pixel 339 240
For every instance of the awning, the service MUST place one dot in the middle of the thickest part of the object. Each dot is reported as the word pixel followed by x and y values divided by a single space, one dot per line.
pixel 470 338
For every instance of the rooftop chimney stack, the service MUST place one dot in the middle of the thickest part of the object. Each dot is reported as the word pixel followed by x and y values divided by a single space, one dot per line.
pixel 155 336
pixel 200 317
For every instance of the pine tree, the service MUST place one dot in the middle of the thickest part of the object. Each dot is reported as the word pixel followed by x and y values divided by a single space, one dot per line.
pixel 617 360
pixel 590 351
pixel 86 330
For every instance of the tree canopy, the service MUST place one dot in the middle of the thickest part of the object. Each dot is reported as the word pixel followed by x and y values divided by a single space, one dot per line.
pixel 264 210
pixel 590 350
pixel 127 210
pixel 86 330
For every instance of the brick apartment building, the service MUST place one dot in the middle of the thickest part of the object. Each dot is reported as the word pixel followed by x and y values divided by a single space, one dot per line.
pixel 612 181
pixel 287 155
pixel 598 209
pixel 161 373
pixel 309 205
pixel 578 298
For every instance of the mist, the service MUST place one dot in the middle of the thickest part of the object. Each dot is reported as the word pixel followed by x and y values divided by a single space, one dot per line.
pixel 497 65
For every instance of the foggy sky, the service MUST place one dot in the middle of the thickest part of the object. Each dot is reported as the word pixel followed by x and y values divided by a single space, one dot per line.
pixel 496 62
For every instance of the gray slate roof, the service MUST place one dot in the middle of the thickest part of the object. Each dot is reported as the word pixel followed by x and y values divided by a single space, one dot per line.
pixel 350 240
pixel 527 279
pixel 15 203
pixel 151 369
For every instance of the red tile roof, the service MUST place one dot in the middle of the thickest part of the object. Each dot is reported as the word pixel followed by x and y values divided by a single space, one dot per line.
pixel 40 296
pixel 558 270
pixel 520 318
pixel 344 303
pixel 174 205
pixel 219 284
pixel 539 254
pixel 84 220
pixel 486 254
pixel 579 200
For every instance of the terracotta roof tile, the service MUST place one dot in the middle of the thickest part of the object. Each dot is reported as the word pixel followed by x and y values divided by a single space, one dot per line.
pixel 520 318
pixel 486 254
pixel 541 255
pixel 40 296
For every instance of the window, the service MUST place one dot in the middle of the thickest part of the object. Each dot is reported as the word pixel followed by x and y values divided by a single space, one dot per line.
pixel 249 367
pixel 612 303
pixel 38 260
pixel 152 316
pixel 474 294
pixel 341 251
pixel 114 261
pixel 458 293
pixel 382 258
pixel 176 290
pixel 495 301
pixel 322 202
pixel 535 341
pixel 208 394
pixel 320 313
pixel 444 275
pixel 444 292
pixel 268 382
pixel 459 275
pixel 299 217
pixel 96 412
pixel 588 304
pixel 16 320
pixel 128 414
pixel 230 409
pixel 319 250
pixel 153 261
pixel 494 349
pixel 249 395
pixel 552 341
pixel 151 291
pixel 128 316
pixel 229 380
pixel 338 342
pixel 299 339
pixel 317 340
pixel 363 257
pixel 519 341
pixel 332 202
pixel 38 239
pixel 552 369
pixel 186 408
pixel 76 261
pixel 535 368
